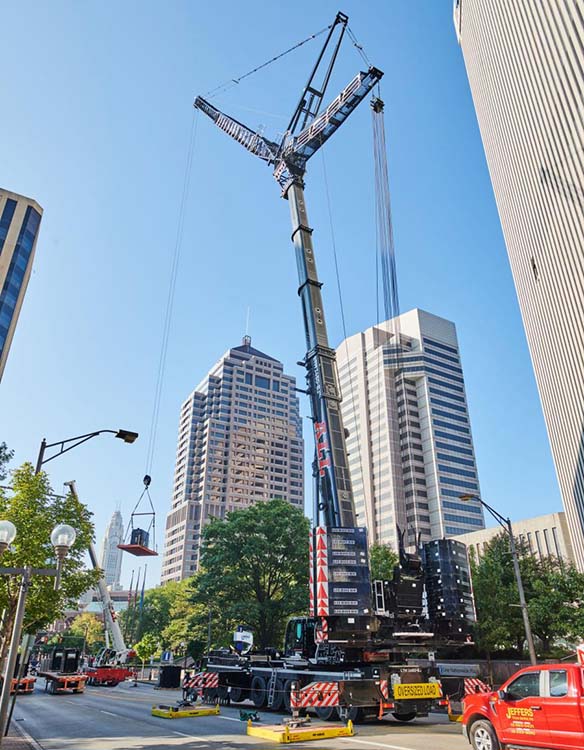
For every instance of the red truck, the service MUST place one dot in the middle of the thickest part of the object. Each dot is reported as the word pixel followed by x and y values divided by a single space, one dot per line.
pixel 538 707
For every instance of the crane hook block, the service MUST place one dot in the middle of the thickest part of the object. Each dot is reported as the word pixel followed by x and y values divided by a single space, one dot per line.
pixel 377 104
pixel 147 480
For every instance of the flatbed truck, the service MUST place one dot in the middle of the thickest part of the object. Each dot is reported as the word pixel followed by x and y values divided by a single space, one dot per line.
pixel 63 682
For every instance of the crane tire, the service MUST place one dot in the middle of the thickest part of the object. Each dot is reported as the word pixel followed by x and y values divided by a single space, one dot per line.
pixel 287 689
pixel 259 694
pixel 278 701
pixel 327 713
pixel 408 716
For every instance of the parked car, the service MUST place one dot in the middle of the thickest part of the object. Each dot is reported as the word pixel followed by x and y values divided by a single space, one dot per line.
pixel 538 707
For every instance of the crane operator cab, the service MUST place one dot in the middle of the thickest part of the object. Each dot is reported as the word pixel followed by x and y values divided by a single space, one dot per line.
pixel 299 640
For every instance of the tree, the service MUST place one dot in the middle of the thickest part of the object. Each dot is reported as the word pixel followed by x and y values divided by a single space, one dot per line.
pixel 382 561
pixel 5 457
pixel 154 615
pixel 553 591
pixel 89 627
pixel 254 571
pixel 35 512
pixel 146 647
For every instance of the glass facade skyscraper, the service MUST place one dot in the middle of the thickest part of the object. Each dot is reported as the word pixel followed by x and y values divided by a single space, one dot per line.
pixel 20 219
pixel 410 445
pixel 239 442
pixel 525 65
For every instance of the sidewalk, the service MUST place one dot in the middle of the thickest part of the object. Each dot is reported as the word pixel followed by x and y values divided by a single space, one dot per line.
pixel 18 741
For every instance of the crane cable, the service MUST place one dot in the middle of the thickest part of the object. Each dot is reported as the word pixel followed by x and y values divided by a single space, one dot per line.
pixel 386 268
pixel 170 296
pixel 226 85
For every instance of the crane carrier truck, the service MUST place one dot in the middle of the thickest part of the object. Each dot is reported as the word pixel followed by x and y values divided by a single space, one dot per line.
pixel 350 654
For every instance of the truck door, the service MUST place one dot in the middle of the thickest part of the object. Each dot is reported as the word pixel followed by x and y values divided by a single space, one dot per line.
pixel 522 715
pixel 561 704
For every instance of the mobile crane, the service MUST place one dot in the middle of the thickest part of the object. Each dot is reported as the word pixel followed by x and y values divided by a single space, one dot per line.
pixel 349 654
pixel 108 668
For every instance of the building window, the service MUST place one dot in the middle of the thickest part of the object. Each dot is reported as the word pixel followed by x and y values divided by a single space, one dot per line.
pixel 262 382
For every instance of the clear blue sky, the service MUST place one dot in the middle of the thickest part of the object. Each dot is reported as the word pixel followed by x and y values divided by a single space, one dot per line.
pixel 96 114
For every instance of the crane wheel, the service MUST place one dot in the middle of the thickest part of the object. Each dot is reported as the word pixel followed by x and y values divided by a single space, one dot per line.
pixel 258 692
pixel 236 695
pixel 327 713
pixel 278 700
pixel 409 716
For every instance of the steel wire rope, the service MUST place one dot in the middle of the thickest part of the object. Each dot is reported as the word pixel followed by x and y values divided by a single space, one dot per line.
pixel 226 85
pixel 170 296
pixel 386 254
pixel 342 308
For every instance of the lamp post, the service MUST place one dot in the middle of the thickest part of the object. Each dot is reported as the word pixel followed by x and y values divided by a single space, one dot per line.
pixel 126 435
pixel 505 523
pixel 64 536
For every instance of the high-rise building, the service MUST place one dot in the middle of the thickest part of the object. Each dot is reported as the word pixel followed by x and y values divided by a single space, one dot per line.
pixel 239 442
pixel 110 559
pixel 525 65
pixel 410 446
pixel 20 219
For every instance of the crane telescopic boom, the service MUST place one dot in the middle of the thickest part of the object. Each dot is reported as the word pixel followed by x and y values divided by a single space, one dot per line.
pixel 307 132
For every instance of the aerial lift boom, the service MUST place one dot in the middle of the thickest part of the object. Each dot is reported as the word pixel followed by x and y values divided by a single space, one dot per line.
pixel 108 607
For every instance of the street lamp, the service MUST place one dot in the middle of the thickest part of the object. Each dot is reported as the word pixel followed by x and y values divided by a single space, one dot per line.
pixel 126 435
pixel 62 537
pixel 505 523
pixel 7 534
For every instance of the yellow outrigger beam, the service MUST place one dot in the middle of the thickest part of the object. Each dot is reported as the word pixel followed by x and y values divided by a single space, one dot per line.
pixel 283 735
pixel 173 712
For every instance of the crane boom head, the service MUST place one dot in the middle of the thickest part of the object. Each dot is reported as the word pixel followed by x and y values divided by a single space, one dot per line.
pixel 290 156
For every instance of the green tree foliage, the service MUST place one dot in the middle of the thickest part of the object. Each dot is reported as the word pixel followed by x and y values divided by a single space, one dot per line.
pixel 5 457
pixel 254 571
pixel 382 561
pixel 35 512
pixel 155 613
pixel 89 627
pixel 147 647
pixel 553 591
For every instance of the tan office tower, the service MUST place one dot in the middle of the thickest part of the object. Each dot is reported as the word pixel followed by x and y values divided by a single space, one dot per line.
pixel 20 219
pixel 239 442
pixel 411 453
pixel 525 65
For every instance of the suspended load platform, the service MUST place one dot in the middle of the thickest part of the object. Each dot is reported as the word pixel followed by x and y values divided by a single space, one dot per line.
pixel 140 538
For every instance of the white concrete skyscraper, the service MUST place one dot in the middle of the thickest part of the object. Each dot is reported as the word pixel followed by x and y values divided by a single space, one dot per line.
pixel 110 558
pixel 20 220
pixel 239 442
pixel 410 445
pixel 525 65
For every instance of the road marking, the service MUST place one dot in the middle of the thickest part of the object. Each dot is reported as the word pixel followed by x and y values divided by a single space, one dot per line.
pixel 182 734
pixel 109 713
pixel 226 718
pixel 378 744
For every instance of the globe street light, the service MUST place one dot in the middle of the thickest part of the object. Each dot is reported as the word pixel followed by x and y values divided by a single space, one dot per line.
pixel 7 534
pixel 505 523
pixel 126 435
pixel 62 538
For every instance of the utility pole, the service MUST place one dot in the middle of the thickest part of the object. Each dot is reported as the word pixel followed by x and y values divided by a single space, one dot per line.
pixel 505 524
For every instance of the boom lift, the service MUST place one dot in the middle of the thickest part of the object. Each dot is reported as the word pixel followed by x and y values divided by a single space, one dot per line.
pixel 349 641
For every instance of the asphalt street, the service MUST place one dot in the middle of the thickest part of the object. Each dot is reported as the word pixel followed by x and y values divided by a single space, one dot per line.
pixel 119 719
